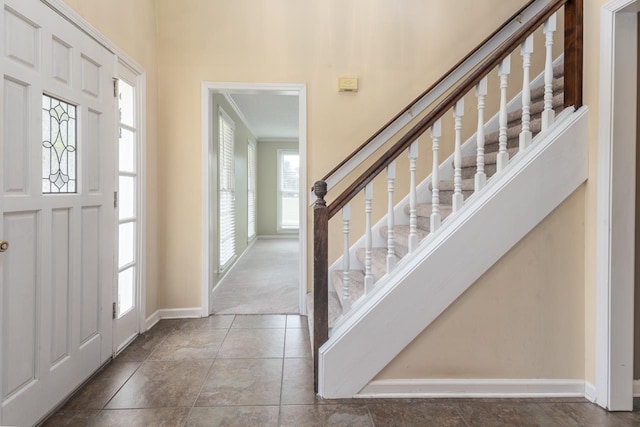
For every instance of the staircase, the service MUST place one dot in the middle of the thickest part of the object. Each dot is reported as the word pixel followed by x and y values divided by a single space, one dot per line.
pixel 424 210
pixel 518 166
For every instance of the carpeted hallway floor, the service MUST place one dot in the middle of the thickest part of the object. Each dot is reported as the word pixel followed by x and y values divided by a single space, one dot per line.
pixel 264 281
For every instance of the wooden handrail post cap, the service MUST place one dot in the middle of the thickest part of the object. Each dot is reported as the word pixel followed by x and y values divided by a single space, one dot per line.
pixel 320 190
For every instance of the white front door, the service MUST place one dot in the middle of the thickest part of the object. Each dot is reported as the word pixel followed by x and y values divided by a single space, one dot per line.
pixel 57 136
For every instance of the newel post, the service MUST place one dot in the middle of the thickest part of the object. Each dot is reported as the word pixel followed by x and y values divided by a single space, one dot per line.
pixel 320 274
pixel 573 27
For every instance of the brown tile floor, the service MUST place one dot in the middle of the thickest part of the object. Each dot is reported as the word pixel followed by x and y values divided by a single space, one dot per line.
pixel 256 370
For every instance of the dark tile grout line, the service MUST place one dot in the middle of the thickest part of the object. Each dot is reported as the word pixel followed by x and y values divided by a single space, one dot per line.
pixel 206 377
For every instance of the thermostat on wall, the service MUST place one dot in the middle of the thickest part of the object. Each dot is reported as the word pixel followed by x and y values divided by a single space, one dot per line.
pixel 347 84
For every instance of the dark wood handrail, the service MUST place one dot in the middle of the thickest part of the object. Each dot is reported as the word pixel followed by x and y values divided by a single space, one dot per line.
pixel 445 105
pixel 431 88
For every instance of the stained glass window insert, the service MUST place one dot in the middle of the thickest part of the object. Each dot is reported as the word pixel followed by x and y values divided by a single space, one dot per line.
pixel 59 146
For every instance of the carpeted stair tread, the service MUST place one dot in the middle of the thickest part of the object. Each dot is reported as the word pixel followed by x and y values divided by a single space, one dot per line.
pixel 424 210
pixel 558 70
pixel 538 91
pixel 448 185
pixel 535 125
pixel 423 214
pixel 536 108
pixel 378 261
pixel 489 158
pixel 356 284
pixel 401 237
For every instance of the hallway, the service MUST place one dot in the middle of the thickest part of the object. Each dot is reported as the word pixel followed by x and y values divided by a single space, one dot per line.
pixel 257 371
pixel 265 280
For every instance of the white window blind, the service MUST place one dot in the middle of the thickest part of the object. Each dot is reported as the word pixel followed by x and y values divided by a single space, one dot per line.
pixel 288 188
pixel 226 181
pixel 251 189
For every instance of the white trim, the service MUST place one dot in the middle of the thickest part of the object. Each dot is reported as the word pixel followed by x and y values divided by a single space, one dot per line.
pixel 616 205
pixel 173 313
pixel 590 391
pixel 636 388
pixel 207 89
pixel 463 388
pixel 239 113
pixel 152 320
pixel 290 236
pixel 402 305
pixel 278 140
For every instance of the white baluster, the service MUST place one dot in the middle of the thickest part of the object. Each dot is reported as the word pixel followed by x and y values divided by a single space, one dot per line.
pixel 458 198
pixel 548 115
pixel 526 51
pixel 368 274
pixel 503 155
pixel 481 176
pixel 413 220
pixel 436 133
pixel 391 250
pixel 346 296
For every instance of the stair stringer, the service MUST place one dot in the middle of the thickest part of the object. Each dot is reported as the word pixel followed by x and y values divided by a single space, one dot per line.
pixel 404 304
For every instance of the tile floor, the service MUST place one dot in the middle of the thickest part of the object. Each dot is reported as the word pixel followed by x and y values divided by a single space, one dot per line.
pixel 246 370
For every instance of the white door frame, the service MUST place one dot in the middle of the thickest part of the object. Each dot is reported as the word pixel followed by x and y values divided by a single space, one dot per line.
pixel 208 147
pixel 67 12
pixel 616 205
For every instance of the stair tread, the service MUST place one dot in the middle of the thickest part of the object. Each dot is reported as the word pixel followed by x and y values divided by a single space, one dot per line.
pixel 424 210
pixel 401 237
pixel 557 86
pixel 489 158
pixel 468 184
pixel 356 284
pixel 536 108
pixel 378 261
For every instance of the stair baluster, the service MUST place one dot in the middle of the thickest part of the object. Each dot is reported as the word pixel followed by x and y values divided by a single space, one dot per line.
pixel 503 155
pixel 548 115
pixel 346 296
pixel 458 198
pixel 436 133
pixel 368 274
pixel 525 135
pixel 413 220
pixel 391 250
pixel 481 176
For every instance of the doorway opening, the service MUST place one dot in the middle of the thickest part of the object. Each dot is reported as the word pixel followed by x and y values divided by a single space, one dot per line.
pixel 254 148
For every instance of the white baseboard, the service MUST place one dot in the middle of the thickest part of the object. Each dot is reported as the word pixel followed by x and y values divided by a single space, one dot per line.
pixel 173 313
pixel 590 392
pixel 472 388
pixel 292 236
pixel 636 388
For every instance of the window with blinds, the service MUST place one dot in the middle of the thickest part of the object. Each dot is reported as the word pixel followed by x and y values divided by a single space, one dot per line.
pixel 288 189
pixel 251 189
pixel 226 185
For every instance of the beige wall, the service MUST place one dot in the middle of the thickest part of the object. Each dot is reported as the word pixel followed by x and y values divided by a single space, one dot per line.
pixel 131 25
pixel 524 318
pixel 396 52
pixel 268 184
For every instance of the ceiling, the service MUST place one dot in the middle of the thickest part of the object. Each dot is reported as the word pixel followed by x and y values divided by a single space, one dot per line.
pixel 269 116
